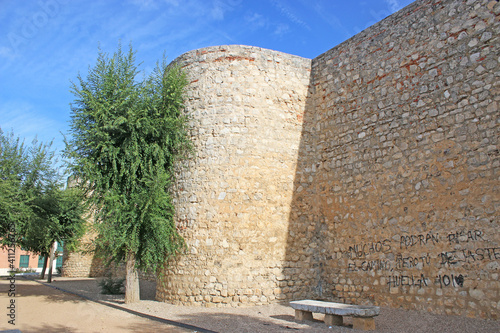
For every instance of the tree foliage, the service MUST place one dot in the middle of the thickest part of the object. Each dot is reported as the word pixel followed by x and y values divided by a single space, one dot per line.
pixel 25 173
pixel 57 216
pixel 32 198
pixel 126 136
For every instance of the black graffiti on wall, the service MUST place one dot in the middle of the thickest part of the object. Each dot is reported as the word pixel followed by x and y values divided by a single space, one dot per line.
pixel 407 280
pixel 369 265
pixel 465 236
pixel 450 280
pixel 446 280
pixel 380 257
pixel 364 249
pixel 407 241
pixel 467 256
pixel 411 262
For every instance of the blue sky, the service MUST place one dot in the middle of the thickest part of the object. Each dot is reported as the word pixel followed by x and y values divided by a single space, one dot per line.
pixel 44 44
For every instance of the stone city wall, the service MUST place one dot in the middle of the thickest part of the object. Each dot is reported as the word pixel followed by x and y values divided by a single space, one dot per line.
pixel 83 262
pixel 372 179
pixel 396 197
pixel 368 175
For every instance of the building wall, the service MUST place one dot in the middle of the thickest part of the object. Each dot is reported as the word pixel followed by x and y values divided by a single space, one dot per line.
pixel 5 262
pixel 233 203
pixel 397 189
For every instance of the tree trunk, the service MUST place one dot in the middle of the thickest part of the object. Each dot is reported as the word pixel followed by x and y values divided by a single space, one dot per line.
pixel 51 261
pixel 45 260
pixel 132 280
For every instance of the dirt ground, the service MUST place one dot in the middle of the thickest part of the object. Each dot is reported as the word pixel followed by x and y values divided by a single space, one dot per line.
pixel 42 308
pixel 39 308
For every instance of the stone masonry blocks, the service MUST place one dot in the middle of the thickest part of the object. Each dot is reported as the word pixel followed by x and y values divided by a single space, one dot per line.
pixel 233 200
pixel 368 175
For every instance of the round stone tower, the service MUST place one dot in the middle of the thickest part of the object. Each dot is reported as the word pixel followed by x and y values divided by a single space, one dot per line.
pixel 233 200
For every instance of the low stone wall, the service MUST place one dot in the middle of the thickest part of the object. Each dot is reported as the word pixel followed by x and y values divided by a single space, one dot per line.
pixel 83 262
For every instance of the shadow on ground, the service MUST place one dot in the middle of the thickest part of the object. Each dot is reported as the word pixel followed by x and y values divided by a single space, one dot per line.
pixel 53 328
pixel 87 288
pixel 389 321
pixel 224 322
pixel 153 329
pixel 27 290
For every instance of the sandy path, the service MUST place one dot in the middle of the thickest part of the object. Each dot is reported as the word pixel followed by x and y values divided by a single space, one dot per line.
pixel 43 309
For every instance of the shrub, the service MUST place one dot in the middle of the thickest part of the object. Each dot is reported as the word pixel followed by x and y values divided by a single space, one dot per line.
pixel 112 286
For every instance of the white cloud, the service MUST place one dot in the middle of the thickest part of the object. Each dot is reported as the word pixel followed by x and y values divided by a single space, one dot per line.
pixel 221 7
pixel 217 12
pixel 255 21
pixel 287 12
pixel 281 29
pixel 331 19
pixel 6 52
pixel 393 5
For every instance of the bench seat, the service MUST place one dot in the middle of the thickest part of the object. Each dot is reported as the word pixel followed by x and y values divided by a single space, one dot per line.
pixel 334 312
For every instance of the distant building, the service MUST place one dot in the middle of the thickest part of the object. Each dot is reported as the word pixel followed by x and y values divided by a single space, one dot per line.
pixel 27 261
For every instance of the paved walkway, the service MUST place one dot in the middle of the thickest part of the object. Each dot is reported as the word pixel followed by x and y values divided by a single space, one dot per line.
pixel 39 308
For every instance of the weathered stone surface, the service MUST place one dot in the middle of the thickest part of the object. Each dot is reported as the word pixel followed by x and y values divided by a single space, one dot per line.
pixel 339 309
pixel 233 200
pixel 397 186
pixel 364 324
pixel 368 175
pixel 333 320
pixel 83 263
pixel 303 315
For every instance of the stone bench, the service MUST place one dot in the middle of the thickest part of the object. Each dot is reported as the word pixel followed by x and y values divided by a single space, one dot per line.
pixel 334 312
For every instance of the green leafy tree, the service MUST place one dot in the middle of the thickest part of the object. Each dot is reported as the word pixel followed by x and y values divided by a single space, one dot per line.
pixel 126 136
pixel 32 201
pixel 25 173
pixel 13 169
pixel 57 217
